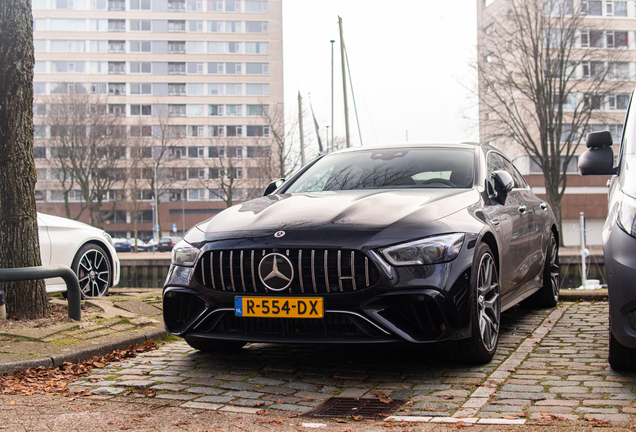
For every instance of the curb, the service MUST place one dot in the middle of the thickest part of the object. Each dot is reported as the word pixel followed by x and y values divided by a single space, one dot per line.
pixel 84 353
pixel 583 295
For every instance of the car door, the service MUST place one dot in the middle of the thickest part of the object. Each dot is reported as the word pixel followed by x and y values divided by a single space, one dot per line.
pixel 535 221
pixel 512 226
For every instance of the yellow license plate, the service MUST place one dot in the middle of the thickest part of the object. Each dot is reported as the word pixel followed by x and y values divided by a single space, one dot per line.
pixel 282 307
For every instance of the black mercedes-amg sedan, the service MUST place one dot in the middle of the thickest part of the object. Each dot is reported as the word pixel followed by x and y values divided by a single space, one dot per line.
pixel 409 243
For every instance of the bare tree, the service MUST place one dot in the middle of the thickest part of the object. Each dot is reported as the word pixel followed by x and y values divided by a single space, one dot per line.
pixel 541 80
pixel 88 146
pixel 19 245
pixel 139 179
pixel 226 173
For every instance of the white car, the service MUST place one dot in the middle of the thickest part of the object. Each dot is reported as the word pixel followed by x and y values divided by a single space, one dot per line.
pixel 87 250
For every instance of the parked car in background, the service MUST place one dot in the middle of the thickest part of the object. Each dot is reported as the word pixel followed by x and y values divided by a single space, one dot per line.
pixel 141 245
pixel 122 245
pixel 167 243
pixel 413 243
pixel 87 250
pixel 619 235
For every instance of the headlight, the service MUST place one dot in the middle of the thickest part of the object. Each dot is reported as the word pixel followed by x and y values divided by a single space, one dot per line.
pixel 183 254
pixel 431 250
pixel 627 215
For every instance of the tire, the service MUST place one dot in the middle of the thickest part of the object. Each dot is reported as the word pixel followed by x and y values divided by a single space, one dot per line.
pixel 485 310
pixel 548 294
pixel 93 270
pixel 211 346
pixel 620 357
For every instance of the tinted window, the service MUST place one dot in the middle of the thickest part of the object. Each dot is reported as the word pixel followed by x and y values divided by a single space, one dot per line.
pixel 389 168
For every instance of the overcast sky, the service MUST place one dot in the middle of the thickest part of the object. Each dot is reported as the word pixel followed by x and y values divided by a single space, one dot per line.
pixel 408 60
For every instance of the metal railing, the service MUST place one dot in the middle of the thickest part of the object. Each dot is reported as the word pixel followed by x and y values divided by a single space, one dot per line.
pixel 47 272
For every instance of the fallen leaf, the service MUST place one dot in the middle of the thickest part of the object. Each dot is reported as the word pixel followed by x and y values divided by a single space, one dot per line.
pixel 307 399
pixel 280 401
pixel 357 417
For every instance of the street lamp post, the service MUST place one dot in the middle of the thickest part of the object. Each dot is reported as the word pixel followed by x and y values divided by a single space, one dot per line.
pixel 155 219
pixel 183 211
pixel 332 42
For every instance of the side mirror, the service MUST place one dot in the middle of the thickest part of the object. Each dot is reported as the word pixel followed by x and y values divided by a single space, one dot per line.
pixel 273 186
pixel 503 183
pixel 599 158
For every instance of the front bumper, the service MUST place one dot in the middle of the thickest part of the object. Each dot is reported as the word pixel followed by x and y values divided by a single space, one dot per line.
pixel 620 266
pixel 419 304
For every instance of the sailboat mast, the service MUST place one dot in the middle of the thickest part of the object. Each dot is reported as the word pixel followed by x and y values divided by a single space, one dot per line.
pixel 344 82
pixel 300 126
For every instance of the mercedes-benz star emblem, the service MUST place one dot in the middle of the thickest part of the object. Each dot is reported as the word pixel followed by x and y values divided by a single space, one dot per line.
pixel 276 271
pixel 279 234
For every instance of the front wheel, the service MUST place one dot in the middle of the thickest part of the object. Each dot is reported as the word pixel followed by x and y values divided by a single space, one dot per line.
pixel 485 310
pixel 93 270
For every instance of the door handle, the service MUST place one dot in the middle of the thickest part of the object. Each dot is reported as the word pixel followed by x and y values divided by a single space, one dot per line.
pixel 543 206
pixel 522 208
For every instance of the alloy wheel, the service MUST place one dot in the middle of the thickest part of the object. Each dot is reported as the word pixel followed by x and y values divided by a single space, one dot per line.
pixel 93 273
pixel 488 306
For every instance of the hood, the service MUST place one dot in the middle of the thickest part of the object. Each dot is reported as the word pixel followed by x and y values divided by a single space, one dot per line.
pixel 60 222
pixel 366 212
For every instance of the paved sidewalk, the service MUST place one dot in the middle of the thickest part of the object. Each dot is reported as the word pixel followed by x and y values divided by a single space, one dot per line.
pixel 124 317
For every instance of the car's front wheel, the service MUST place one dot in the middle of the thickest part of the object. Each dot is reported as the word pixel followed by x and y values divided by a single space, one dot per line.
pixel 485 310
pixel 620 357
pixel 93 270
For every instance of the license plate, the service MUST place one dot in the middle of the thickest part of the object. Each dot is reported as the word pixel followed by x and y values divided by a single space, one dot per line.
pixel 283 307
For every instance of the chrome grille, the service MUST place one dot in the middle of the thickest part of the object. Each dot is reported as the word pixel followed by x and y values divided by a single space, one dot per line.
pixel 316 271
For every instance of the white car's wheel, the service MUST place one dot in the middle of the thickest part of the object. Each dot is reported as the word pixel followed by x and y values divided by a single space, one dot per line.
pixel 93 270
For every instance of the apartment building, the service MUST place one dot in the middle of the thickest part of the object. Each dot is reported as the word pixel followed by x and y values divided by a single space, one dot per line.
pixel 191 89
pixel 607 34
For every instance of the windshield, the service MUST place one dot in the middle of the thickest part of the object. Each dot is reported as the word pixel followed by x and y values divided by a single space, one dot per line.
pixel 389 169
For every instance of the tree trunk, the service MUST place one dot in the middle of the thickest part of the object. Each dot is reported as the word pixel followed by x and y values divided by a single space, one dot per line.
pixel 19 245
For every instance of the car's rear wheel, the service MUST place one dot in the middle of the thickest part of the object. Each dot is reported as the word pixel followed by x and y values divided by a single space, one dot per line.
pixel 216 345
pixel 548 295
pixel 485 310
pixel 93 270
pixel 620 357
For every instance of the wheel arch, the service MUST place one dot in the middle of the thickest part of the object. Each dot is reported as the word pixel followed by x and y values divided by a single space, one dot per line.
pixel 491 241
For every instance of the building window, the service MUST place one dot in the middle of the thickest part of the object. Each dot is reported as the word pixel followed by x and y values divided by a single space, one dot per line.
pixel 258 110
pixel 256 48
pixel 176 47
pixel 98 25
pixel 216 110
pixel 233 68
pixel 115 25
pixel 257 89
pixel 68 46
pixel 39 131
pixel 235 152
pixel 196 194
pixel 176 89
pixel 234 131
pixel 40 67
pixel 143 110
pixel 196 89
pixel 619 71
pixel 257 68
pixel 140 5
pixel 194 47
pixel 255 6
pixel 61 24
pixel 116 5
pixel 98 88
pixel 233 27
pixel 234 89
pixel 117 89
pixel 196 132
pixel 617 39
pixel 99 46
pixel 39 110
pixel 234 110
pixel 142 131
pixel 215 68
pixel 592 7
pixel 256 27
pixel 618 102
pixel 195 5
pixel 39 152
pixel 116 46
pixel 141 46
pixel 616 8
pixel 39 88
pixel 176 26
pixel 216 48
pixel 140 25
pixel 216 89
pixel 258 131
pixel 176 6
pixel 195 26
pixel 116 109
pixel 234 47
pixel 196 68
pixel 215 26
pixel 176 110
pixel 176 68
pixel 140 67
pixel 216 131
pixel 196 110
pixel 116 67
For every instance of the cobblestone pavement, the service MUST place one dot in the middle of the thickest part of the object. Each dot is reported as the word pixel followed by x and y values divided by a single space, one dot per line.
pixel 550 367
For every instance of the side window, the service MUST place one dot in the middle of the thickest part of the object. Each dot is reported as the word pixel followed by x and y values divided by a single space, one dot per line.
pixel 520 183
pixel 494 163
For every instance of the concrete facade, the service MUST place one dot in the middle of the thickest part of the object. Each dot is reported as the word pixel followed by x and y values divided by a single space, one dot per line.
pixel 209 70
